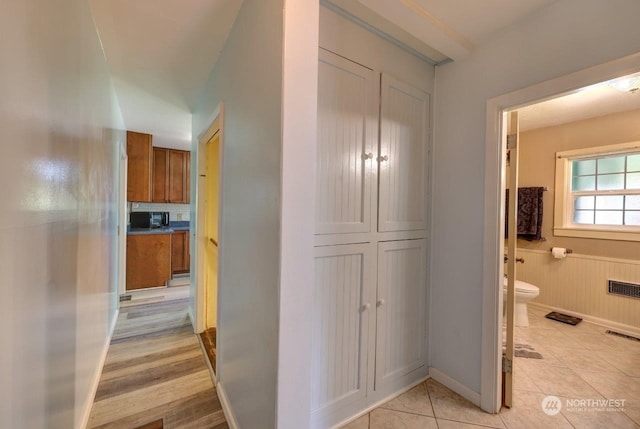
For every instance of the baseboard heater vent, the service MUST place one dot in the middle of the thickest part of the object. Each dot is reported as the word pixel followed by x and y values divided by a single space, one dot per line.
pixel 619 334
pixel 631 290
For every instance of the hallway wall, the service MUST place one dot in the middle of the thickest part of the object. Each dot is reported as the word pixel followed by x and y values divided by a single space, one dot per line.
pixel 59 136
pixel 248 78
pixel 567 36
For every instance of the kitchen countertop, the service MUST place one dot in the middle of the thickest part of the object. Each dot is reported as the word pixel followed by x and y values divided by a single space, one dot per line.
pixel 173 227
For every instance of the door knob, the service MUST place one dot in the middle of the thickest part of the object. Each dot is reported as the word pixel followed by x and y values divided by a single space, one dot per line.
pixel 381 302
pixel 366 306
pixel 367 156
pixel 383 158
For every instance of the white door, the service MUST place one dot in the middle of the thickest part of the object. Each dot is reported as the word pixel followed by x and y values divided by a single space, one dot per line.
pixel 344 291
pixel 404 118
pixel 347 138
pixel 401 334
pixel 512 213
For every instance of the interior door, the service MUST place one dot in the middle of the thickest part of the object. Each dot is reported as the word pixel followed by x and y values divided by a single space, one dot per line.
pixel 404 119
pixel 401 326
pixel 211 228
pixel 507 361
pixel 347 138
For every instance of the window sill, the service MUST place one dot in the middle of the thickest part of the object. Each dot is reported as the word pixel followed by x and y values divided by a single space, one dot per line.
pixel 600 234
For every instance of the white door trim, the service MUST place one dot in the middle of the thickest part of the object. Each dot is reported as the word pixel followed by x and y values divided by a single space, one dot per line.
pixel 491 367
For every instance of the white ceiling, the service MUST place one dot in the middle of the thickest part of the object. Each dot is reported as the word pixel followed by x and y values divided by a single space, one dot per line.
pixel 161 52
pixel 590 102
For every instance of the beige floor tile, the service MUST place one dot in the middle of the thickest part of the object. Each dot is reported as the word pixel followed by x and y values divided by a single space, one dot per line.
pixel 557 381
pixel 625 361
pixel 587 360
pixel 527 413
pixel 359 423
pixel 521 381
pixel 633 412
pixel 450 424
pixel 592 418
pixel 614 386
pixel 390 419
pixel 451 406
pixel 414 401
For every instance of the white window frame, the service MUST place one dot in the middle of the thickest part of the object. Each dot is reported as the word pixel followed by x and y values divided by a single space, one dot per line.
pixel 563 215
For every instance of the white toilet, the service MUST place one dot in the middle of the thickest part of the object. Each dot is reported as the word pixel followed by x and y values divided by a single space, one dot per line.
pixel 525 292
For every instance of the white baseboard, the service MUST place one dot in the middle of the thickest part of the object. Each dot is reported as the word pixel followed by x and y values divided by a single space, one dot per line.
pixel 455 385
pixel 226 407
pixel 380 402
pixel 96 376
pixel 614 326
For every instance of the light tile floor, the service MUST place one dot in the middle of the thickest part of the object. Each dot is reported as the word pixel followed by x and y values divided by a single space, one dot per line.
pixel 579 362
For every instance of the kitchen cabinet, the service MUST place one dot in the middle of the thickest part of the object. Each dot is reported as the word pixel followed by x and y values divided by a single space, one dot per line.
pixel 171 175
pixel 139 167
pixel 148 260
pixel 180 261
pixel 370 308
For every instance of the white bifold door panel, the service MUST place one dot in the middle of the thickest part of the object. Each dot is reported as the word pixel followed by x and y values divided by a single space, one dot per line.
pixel 404 132
pixel 401 333
pixel 346 145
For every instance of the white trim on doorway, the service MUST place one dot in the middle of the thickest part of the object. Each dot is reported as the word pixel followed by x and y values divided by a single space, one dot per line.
pixel 491 366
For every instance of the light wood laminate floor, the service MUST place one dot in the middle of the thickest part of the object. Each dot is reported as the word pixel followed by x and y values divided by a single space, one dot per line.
pixel 155 374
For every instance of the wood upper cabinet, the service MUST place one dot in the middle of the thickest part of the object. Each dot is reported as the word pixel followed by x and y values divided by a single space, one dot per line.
pixel 139 157
pixel 171 171
pixel 180 261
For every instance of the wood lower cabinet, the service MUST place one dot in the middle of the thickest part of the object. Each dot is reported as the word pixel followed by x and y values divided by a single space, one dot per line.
pixel 180 261
pixel 139 158
pixel 171 171
pixel 148 260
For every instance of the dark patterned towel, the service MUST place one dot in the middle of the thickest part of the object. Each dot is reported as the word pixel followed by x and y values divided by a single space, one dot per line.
pixel 529 213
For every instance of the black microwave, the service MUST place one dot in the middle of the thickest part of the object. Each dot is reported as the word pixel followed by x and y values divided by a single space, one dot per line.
pixel 149 219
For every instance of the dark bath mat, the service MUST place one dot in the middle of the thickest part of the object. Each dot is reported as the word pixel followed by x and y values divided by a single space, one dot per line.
pixel 526 351
pixel 564 318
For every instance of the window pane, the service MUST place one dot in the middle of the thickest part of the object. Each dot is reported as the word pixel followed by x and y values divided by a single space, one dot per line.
pixel 583 216
pixel 610 181
pixel 609 217
pixel 633 163
pixel 632 202
pixel 633 181
pixel 582 168
pixel 632 218
pixel 584 183
pixel 609 202
pixel 584 203
pixel 611 165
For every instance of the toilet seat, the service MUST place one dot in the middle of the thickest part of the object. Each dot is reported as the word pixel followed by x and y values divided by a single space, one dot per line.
pixel 523 288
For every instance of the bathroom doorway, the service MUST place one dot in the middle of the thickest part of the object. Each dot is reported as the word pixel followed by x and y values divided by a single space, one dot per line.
pixel 209 243
pixel 492 394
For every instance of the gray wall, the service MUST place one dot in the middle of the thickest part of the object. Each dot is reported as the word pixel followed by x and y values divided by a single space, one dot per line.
pixel 567 36
pixel 58 252
pixel 248 78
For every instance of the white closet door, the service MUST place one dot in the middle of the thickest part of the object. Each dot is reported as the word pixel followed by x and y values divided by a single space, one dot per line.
pixel 403 156
pixel 401 335
pixel 347 131
pixel 342 321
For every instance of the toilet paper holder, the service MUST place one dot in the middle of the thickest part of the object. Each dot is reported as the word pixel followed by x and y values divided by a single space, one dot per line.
pixel 568 250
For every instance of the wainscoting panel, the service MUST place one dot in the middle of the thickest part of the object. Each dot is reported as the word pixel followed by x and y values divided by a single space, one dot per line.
pixel 578 283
